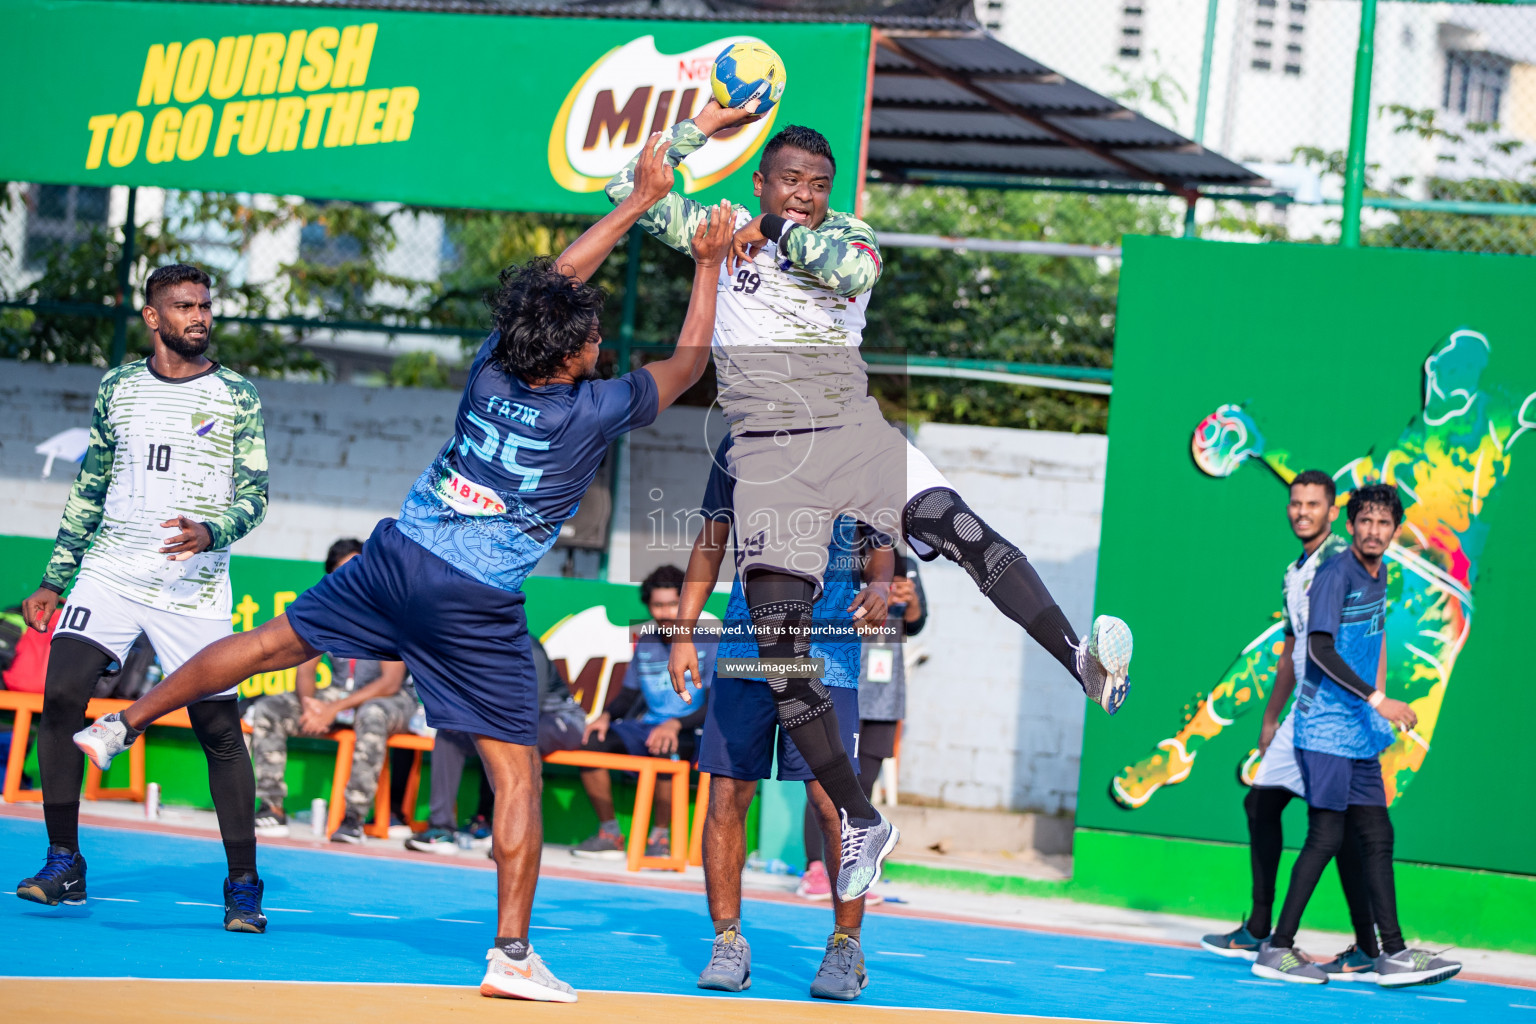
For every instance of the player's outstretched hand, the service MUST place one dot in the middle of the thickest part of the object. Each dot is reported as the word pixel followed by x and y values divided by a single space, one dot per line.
pixel 1398 713
pixel 194 537
pixel 654 176
pixel 712 238
pixel 713 119
pixel 38 609
pixel 684 658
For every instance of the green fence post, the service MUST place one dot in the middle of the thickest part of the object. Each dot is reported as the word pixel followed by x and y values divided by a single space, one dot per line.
pixel 1202 101
pixel 122 311
pixel 1359 122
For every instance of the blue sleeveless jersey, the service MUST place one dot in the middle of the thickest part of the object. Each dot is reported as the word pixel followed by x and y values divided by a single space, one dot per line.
pixel 492 502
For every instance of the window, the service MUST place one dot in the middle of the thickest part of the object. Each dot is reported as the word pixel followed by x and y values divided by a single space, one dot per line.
pixel 1132 21
pixel 1260 65
pixel 61 216
pixel 1475 83
pixel 1265 33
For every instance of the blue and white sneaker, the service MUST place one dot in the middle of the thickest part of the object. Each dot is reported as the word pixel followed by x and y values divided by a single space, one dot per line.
pixel 863 853
pixel 1279 963
pixel 61 880
pixel 1414 967
pixel 242 905
pixel 105 738
pixel 1237 944
pixel 1350 965
pixel 1104 662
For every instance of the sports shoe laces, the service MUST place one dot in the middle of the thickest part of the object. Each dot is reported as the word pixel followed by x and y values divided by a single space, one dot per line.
pixel 853 840
pixel 839 958
pixel 727 954
pixel 58 864
pixel 245 897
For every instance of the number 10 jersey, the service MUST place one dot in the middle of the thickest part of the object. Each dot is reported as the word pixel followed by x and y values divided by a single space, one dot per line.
pixel 164 447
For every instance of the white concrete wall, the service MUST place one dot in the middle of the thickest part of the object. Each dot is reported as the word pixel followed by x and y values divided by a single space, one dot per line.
pixel 993 721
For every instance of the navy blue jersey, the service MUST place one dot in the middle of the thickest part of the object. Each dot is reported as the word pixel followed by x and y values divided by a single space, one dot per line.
pixel 836 634
pixel 1349 604
pixel 492 502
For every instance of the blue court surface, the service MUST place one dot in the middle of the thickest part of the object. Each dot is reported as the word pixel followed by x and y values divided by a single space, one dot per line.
pixel 155 913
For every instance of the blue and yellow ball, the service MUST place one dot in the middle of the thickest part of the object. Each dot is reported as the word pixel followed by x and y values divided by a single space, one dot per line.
pixel 747 71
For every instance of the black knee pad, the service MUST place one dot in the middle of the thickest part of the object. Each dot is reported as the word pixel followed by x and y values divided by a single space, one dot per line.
pixel 940 519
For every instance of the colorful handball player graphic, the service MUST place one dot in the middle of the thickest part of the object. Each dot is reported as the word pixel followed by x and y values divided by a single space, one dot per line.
pixel 1446 464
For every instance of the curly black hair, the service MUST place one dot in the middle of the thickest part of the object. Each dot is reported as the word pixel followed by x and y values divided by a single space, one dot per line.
pixel 542 316
pixel 1378 496
pixel 339 552
pixel 660 578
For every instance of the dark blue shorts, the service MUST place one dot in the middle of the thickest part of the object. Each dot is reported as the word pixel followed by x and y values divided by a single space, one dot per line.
pixel 1335 783
pixel 465 644
pixel 741 728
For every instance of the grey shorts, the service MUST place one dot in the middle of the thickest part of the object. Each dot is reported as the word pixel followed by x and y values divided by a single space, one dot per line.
pixel 790 487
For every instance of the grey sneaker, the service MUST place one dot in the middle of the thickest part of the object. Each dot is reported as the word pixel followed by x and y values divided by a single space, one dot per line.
pixel 730 964
pixel 1281 964
pixel 864 851
pixel 605 845
pixel 104 739
pixel 841 975
pixel 349 831
pixel 527 978
pixel 1414 967
pixel 659 843
pixel 1104 662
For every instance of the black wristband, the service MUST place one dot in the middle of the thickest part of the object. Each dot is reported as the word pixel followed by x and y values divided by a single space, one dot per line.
pixel 45 585
pixel 775 227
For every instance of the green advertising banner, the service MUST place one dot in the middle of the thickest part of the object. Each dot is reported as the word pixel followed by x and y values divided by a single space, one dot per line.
pixel 1239 365
pixel 467 110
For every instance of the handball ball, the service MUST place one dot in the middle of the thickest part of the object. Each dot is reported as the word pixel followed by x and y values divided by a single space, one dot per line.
pixel 747 71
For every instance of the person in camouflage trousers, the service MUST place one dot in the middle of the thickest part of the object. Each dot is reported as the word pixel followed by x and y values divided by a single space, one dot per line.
pixel 374 697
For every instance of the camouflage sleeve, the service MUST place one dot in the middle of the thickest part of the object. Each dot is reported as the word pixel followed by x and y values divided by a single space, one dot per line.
pixel 250 504
pixel 844 254
pixel 675 218
pixel 82 513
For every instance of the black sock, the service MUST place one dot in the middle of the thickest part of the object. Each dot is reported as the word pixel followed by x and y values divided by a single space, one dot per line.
pixel 63 822
pixel 1049 628
pixel 515 948
pixel 1259 922
pixel 837 778
pixel 726 924
pixel 241 856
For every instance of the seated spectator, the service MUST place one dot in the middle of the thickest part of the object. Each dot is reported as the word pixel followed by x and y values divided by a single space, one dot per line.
pixel 375 693
pixel 645 718
pixel 561 725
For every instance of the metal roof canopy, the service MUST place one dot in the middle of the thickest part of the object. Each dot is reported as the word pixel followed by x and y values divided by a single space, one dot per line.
pixel 952 104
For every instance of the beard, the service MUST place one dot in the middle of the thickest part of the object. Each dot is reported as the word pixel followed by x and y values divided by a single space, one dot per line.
pixel 187 348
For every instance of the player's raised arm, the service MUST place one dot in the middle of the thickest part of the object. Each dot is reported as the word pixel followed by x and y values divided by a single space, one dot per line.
pixel 698 583
pixel 683 368
pixel 652 182
pixel 671 217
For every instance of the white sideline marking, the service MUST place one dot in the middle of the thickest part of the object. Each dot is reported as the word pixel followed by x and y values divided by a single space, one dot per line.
pixel 888 952
pixel 382 917
pixel 286 910
pixel 816 948
pixel 1177 977
pixel 188 903
pixel 1256 981
pixel 544 927
pixel 984 960
pixel 1074 967
pixel 119 899
pixel 457 920
pixel 1521 1006
pixel 1442 999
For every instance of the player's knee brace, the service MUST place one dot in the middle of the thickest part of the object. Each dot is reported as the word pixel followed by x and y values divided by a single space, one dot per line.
pixel 783 631
pixel 940 519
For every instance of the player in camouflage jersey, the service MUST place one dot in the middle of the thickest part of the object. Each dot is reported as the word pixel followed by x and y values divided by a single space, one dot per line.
pixel 176 444
pixel 810 444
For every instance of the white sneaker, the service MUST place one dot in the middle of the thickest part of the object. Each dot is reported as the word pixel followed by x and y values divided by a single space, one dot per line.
pixel 1104 662
pixel 523 979
pixel 104 739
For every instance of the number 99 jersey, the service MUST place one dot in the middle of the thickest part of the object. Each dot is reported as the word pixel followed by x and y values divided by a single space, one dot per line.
pixel 493 501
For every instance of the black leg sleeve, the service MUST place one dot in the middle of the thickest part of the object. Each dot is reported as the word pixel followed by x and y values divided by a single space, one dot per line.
pixel 781 616
pixel 1357 893
pixel 941 519
pixel 815 842
pixel 1373 831
pixel 216 723
pixel 1325 834
pixel 1266 839
pixel 73 669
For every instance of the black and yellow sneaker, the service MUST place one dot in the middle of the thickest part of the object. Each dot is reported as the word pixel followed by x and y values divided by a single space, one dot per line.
pixel 242 905
pixel 61 880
